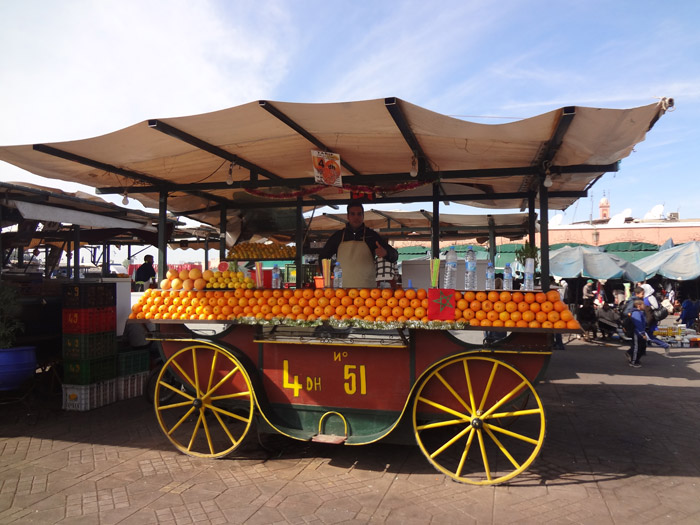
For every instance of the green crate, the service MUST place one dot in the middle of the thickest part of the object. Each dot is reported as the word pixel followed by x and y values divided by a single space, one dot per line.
pixel 86 371
pixel 133 362
pixel 89 346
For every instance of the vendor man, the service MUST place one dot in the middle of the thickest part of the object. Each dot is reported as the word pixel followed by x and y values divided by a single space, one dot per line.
pixel 355 248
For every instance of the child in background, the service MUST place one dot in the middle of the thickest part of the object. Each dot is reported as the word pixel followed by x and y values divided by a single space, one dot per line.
pixel 638 345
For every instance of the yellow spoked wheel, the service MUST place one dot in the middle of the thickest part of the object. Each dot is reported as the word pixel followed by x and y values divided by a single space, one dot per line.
pixel 210 407
pixel 478 420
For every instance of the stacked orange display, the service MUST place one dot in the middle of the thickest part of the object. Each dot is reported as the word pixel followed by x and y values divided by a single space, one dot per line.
pixel 488 309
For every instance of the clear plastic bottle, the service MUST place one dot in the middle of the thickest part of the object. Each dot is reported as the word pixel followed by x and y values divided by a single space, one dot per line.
pixel 276 277
pixel 490 277
pixel 470 270
pixel 507 277
pixel 450 280
pixel 337 276
pixel 529 279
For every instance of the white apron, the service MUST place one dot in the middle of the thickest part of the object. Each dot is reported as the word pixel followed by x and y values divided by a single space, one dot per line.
pixel 357 263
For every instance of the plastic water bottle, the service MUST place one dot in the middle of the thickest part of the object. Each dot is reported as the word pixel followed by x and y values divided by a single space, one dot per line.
pixel 470 270
pixel 276 278
pixel 450 280
pixel 529 280
pixel 490 277
pixel 337 276
pixel 508 277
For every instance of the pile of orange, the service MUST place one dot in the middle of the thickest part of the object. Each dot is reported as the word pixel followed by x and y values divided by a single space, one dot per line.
pixel 505 309
pixel 514 309
pixel 301 304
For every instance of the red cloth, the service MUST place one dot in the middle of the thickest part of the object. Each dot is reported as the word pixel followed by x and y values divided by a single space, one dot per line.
pixel 442 304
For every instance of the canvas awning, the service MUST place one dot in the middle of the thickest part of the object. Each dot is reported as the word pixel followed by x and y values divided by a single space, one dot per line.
pixel 258 155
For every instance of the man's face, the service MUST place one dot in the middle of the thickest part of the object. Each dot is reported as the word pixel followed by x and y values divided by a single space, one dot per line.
pixel 356 217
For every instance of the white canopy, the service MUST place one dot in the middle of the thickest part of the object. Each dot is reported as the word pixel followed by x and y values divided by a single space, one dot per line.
pixel 260 152
pixel 681 262
pixel 586 261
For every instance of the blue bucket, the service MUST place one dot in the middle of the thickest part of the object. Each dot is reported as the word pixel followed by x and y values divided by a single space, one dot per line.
pixel 16 366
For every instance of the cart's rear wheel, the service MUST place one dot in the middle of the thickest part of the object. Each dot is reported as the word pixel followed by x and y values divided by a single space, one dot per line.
pixel 459 416
pixel 209 411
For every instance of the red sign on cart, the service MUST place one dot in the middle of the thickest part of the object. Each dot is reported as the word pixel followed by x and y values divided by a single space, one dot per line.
pixel 442 304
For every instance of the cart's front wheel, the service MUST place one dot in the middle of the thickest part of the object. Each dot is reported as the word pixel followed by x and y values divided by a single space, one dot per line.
pixel 478 420
pixel 210 408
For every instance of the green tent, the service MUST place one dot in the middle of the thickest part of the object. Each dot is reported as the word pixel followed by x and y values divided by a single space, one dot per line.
pixel 631 251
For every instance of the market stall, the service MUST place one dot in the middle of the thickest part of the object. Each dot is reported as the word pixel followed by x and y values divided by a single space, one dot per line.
pixel 472 409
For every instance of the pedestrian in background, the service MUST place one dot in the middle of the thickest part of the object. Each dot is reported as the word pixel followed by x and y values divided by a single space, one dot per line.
pixel 638 345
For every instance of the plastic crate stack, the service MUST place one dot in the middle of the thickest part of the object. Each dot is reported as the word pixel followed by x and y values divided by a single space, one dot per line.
pixel 89 345
pixel 132 372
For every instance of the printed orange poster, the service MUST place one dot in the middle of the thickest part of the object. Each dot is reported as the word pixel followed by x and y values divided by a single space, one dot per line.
pixel 327 168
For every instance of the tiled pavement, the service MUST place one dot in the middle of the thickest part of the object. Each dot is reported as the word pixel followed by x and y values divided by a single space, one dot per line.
pixel 622 446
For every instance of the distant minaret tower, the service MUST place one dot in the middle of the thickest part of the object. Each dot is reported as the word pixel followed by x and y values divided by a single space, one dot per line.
pixel 604 208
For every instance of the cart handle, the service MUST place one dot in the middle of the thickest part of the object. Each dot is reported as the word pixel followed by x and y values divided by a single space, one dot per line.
pixel 320 422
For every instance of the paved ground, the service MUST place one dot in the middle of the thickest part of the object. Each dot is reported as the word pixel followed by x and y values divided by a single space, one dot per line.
pixel 622 447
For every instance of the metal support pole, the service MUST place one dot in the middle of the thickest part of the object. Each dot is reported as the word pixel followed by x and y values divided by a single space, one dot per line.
pixel 544 235
pixel 492 241
pixel 299 239
pixel 162 244
pixel 76 252
pixel 222 234
pixel 531 217
pixel 206 252
pixel 435 226
pixel 105 259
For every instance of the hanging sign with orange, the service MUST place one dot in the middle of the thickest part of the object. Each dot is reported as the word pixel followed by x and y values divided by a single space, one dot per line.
pixel 326 168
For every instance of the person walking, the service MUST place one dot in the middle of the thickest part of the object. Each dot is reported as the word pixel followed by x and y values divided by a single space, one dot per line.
pixel 651 304
pixel 638 345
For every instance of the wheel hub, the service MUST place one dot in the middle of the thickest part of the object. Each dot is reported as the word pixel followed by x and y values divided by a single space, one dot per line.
pixel 477 423
pixel 197 403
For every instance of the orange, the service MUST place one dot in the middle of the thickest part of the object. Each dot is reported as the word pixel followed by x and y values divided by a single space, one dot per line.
pixel 494 296
pixel 386 293
pixel 560 324
pixel 505 296
pixel 518 297
pixel 340 293
pixel 307 293
pixel 481 296
pixel 404 302
pixel 329 292
pixel 386 311
pixel 375 293
pixel 411 294
pixel 415 303
pixel 534 324
pixel 353 292
pixel 474 322
pixel 399 293
pixel 408 311
pixel 392 301
pixel 516 316
pixel 485 322
pixel 468 314
pixel 553 296
pixel 547 324
pixel 547 306
pixel 559 306
pixel 480 315
pixel 497 322
pixel 328 310
pixel 566 315
pixel 359 301
pixel 504 316
pixel 511 306
pixel 475 306
pixel 457 295
pixel 528 316
pixel 492 315
pixel 322 302
pixel 573 325
pixel 375 311
pixel 535 307
pixel 462 304
pixel 540 297
pixel 487 305
pixel 346 300
pixel 334 302
pixel 540 317
pixel 553 316
pixel 529 297
pixel 420 312
pixel 523 307
pixel 364 293
pixel 351 310
pixel 499 306
pixel 319 311
pixel 380 302
pixel 509 324
pixel 397 311
pixel 318 292
pixel 421 294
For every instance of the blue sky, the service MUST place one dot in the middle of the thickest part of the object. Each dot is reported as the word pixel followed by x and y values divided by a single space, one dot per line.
pixel 75 69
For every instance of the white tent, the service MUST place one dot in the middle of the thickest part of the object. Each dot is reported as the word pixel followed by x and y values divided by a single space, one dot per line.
pixel 585 261
pixel 681 263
